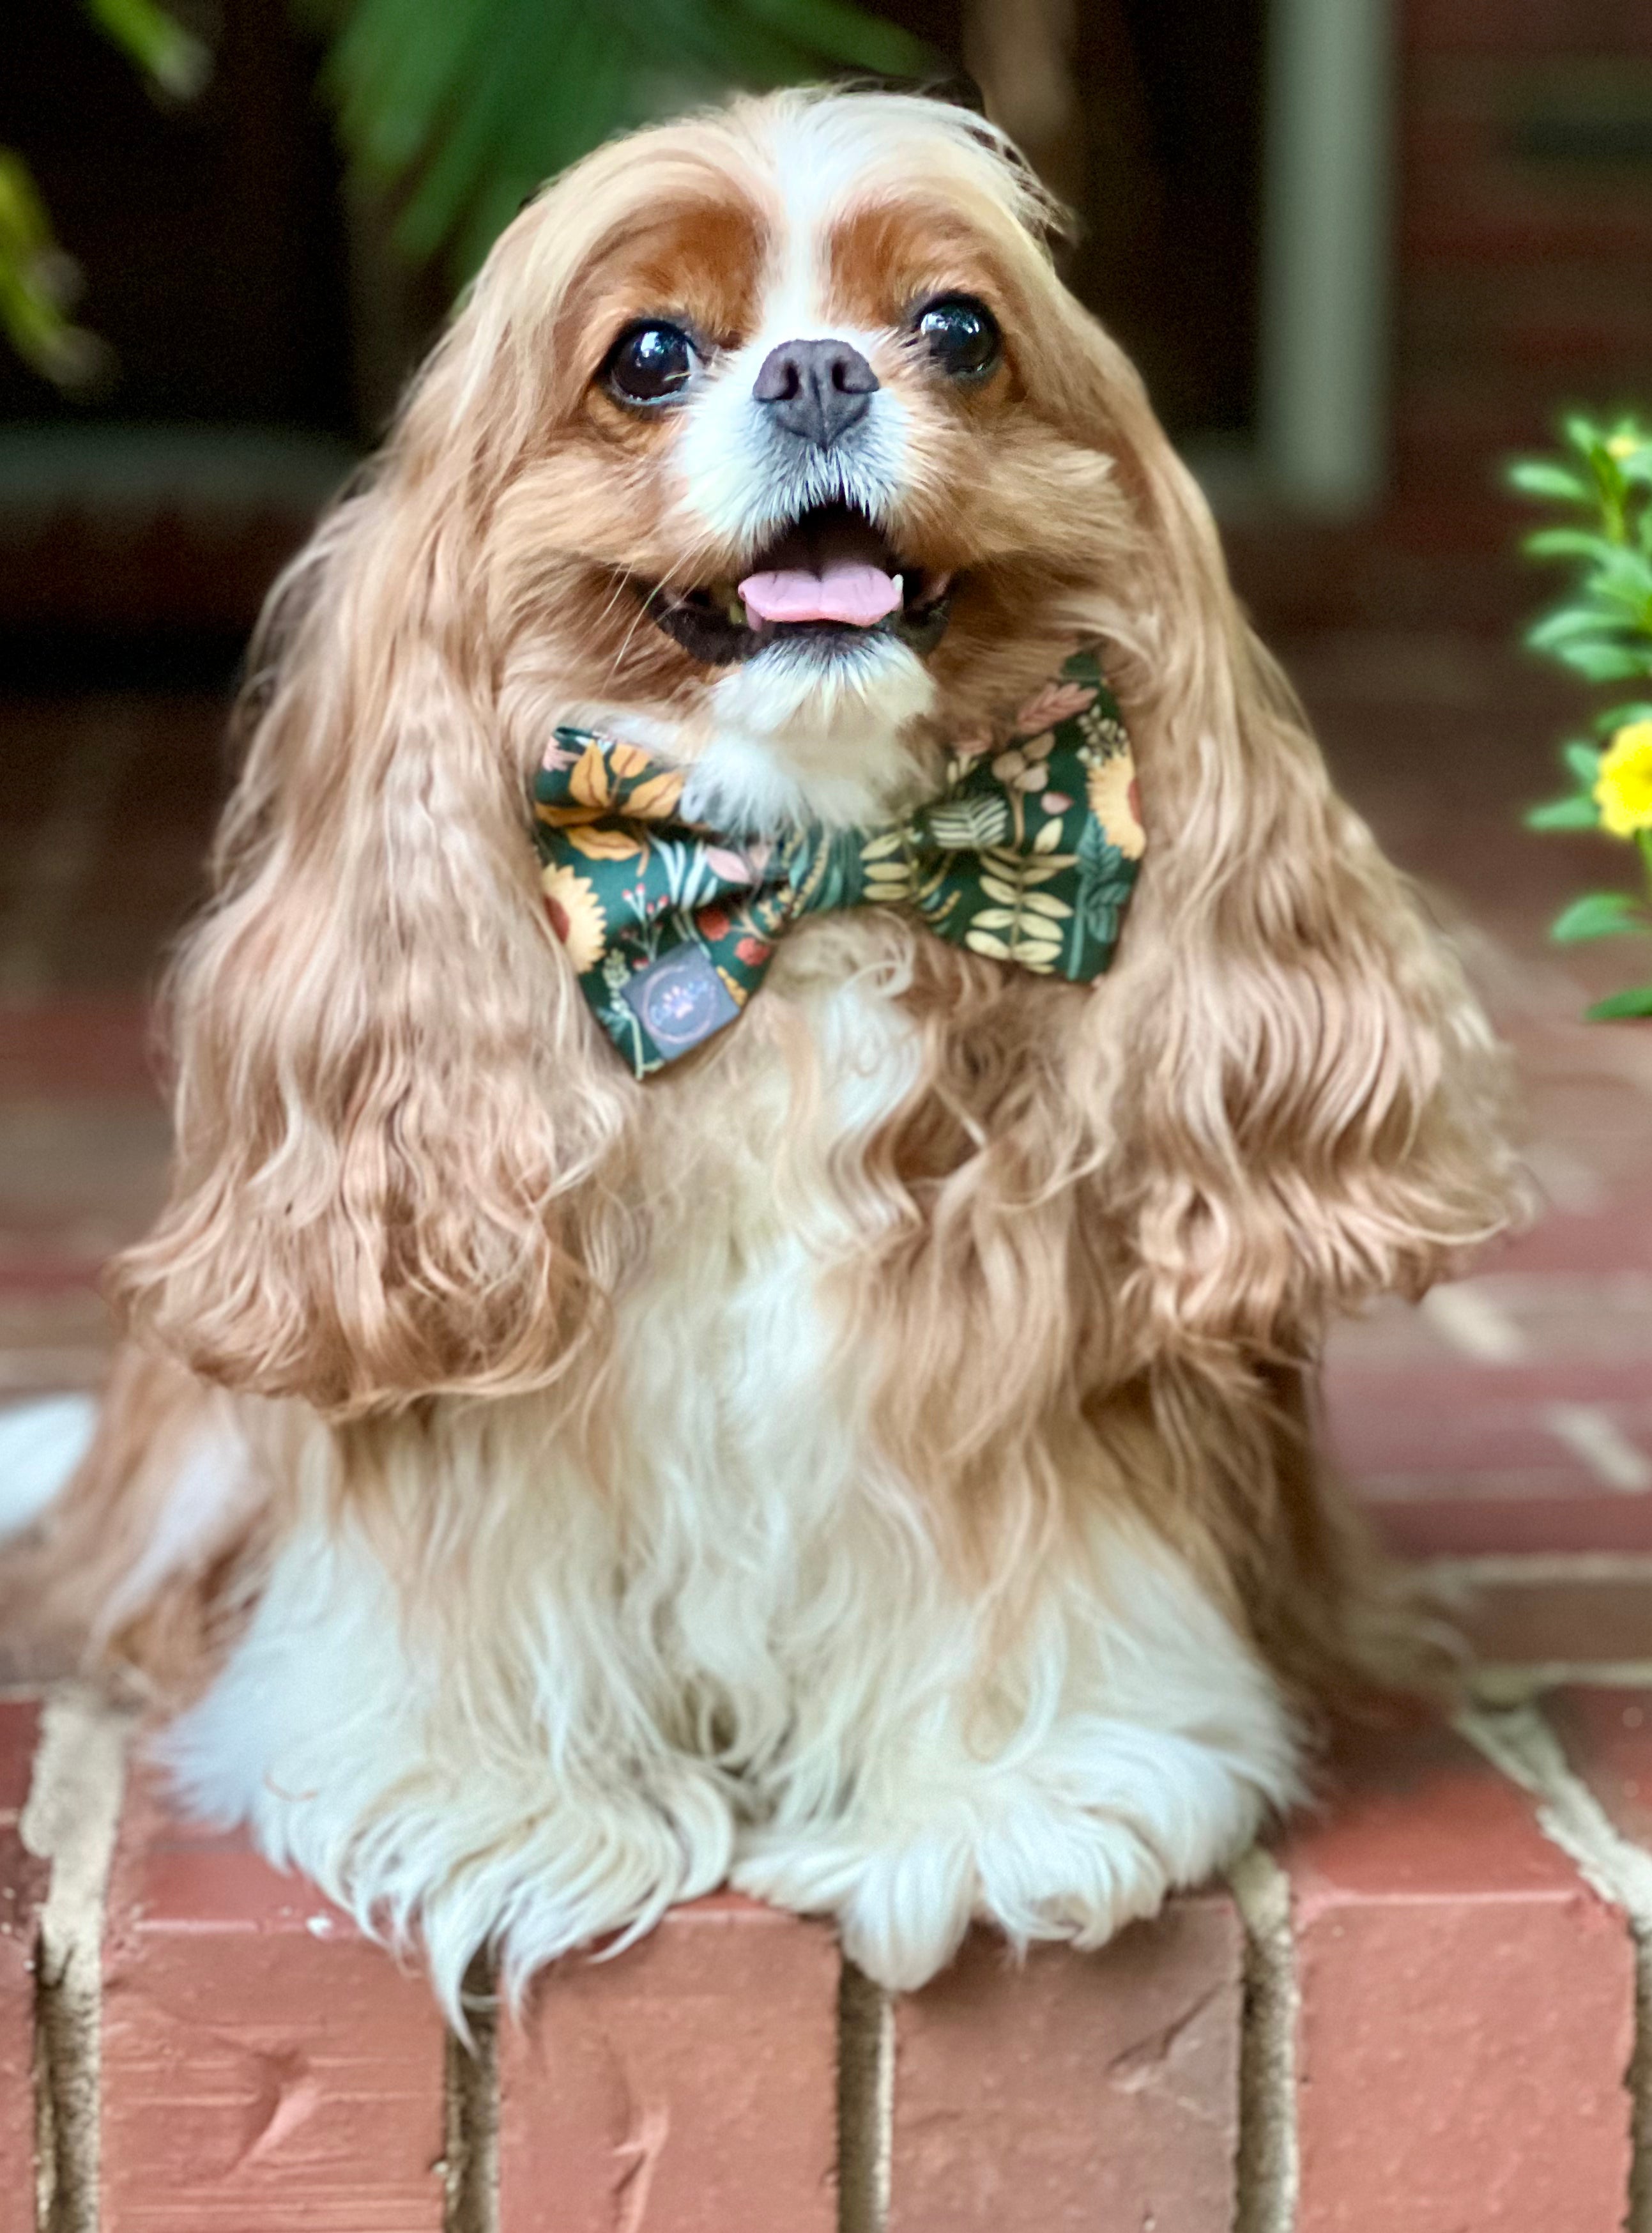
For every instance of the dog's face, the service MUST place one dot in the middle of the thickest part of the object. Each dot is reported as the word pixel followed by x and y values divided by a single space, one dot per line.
pixel 816 459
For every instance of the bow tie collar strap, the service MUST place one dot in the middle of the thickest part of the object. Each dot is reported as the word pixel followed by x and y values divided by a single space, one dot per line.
pixel 1028 854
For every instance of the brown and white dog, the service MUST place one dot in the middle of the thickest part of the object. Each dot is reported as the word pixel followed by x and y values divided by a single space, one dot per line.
pixel 869 1461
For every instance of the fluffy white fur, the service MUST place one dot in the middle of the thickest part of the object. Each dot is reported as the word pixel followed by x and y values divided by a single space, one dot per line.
pixel 42 1443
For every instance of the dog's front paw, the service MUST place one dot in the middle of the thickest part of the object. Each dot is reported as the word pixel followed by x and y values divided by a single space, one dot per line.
pixel 535 1873
pixel 1075 1852
pixel 903 1906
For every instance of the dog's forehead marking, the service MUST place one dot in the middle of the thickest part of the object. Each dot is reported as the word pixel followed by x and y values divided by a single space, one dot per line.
pixel 816 174
pixel 733 481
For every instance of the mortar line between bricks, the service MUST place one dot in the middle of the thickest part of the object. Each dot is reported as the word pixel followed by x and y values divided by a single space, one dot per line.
pixel 1519 1742
pixel 472 2083
pixel 865 2102
pixel 1540 1566
pixel 1267 2172
pixel 1515 1682
pixel 70 1821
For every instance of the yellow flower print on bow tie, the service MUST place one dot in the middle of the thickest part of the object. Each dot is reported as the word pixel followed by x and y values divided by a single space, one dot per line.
pixel 1026 855
pixel 575 913
pixel 603 782
pixel 1110 787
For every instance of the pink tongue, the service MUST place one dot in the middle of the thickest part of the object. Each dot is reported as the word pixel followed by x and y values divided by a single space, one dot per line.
pixel 845 591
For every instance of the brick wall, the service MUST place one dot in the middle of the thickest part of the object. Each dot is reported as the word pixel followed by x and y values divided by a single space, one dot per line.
pixel 1525 248
pixel 1417 2012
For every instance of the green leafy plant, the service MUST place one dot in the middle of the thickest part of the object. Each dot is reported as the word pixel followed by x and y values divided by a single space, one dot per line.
pixel 39 283
pixel 463 107
pixel 1601 630
pixel 175 63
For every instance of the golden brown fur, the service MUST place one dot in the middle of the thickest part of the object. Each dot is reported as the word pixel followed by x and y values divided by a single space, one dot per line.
pixel 1099 1240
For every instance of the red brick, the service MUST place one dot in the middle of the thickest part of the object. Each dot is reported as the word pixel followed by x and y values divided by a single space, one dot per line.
pixel 19 1732
pixel 1449 1424
pixel 1466 2010
pixel 77 1046
pixel 1466 1526
pixel 1608 1737
pixel 1619 1235
pixel 1595 1616
pixel 689 2083
pixel 1076 2091
pixel 23 1887
pixel 265 2066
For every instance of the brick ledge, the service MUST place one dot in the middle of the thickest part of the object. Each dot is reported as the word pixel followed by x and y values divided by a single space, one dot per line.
pixel 1414 2013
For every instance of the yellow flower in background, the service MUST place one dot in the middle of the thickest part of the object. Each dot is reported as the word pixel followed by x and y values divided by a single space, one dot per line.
pixel 1624 787
pixel 576 915
pixel 1621 446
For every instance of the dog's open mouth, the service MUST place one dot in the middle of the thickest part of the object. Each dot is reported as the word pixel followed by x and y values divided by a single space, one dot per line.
pixel 831 577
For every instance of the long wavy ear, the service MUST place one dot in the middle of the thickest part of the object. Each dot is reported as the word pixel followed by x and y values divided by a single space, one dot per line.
pixel 386 1109
pixel 1304 1097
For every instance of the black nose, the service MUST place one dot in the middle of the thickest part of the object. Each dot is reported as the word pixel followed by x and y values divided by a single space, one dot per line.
pixel 817 390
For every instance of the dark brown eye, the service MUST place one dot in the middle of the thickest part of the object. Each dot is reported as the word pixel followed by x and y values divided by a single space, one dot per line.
pixel 651 364
pixel 963 337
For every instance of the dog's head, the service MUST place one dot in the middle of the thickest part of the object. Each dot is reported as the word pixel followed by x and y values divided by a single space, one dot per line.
pixel 771 441
pixel 779 433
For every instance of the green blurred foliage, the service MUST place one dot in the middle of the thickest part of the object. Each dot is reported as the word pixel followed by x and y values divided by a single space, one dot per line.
pixel 463 107
pixel 40 284
pixel 175 63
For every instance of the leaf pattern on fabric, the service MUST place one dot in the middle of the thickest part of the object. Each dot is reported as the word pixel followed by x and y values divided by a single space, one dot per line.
pixel 962 823
pixel 1028 856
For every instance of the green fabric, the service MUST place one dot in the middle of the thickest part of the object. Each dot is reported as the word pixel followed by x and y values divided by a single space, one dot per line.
pixel 1028 854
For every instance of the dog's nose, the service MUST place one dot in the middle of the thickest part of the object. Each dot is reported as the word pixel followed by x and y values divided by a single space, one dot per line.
pixel 817 390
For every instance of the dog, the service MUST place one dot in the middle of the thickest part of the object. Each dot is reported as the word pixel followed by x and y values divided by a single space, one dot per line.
pixel 862 1451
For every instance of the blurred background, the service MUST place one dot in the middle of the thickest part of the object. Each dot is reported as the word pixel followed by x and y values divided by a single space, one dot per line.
pixel 1363 249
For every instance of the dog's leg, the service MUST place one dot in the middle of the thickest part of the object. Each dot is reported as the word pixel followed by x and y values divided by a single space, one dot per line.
pixel 1129 1745
pixel 488 1775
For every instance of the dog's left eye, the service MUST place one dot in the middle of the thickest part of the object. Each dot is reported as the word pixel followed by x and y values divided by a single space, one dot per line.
pixel 963 337
pixel 651 364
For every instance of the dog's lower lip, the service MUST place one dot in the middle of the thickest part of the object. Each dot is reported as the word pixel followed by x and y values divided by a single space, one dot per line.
pixel 706 632
pixel 718 624
pixel 715 624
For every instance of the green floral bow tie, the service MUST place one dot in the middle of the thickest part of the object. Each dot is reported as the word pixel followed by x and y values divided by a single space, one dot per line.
pixel 1028 854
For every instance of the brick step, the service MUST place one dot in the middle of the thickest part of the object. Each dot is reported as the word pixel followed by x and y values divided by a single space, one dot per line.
pixel 1414 2012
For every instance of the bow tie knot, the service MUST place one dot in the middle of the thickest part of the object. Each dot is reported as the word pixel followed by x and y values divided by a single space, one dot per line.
pixel 1027 854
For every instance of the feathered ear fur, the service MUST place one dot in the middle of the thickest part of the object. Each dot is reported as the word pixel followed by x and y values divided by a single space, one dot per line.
pixel 385 1108
pixel 1304 1096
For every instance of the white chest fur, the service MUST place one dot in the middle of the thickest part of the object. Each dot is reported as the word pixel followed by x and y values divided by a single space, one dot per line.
pixel 750 1658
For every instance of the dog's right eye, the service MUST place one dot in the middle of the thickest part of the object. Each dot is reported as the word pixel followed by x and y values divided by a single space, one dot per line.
pixel 651 364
